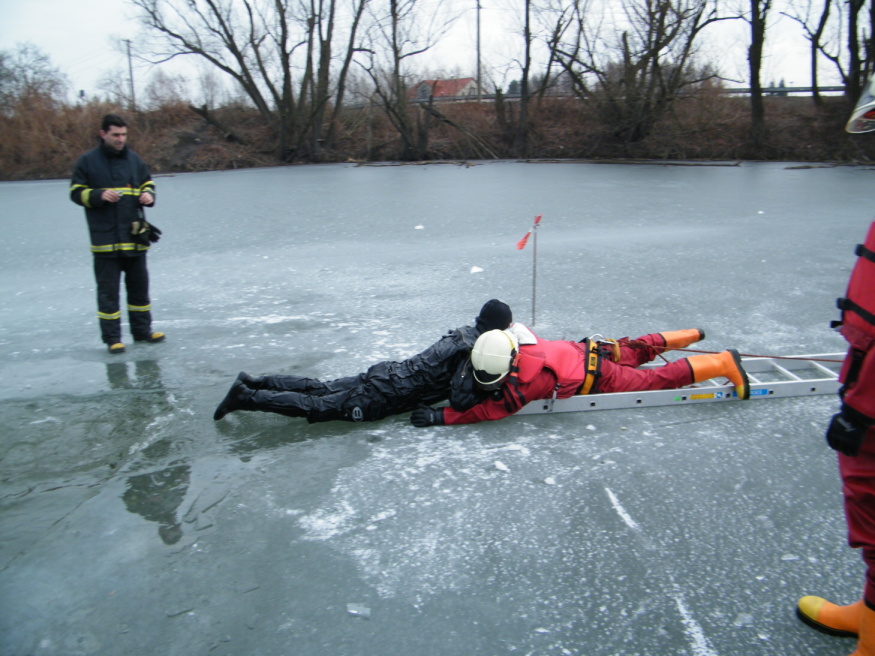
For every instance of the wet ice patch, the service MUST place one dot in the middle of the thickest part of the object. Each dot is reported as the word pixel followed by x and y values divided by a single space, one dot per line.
pixel 454 503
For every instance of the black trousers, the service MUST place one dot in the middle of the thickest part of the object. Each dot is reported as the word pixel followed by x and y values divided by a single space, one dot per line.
pixel 107 273
pixel 344 399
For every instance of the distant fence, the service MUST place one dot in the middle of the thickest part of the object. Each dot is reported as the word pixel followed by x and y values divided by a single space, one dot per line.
pixel 738 91
pixel 786 91
pixel 515 97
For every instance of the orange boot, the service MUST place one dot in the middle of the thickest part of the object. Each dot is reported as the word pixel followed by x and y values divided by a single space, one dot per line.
pixel 725 365
pixel 866 641
pixel 829 618
pixel 682 338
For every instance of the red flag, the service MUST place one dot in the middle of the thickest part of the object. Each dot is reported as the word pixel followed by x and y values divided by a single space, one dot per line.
pixel 521 244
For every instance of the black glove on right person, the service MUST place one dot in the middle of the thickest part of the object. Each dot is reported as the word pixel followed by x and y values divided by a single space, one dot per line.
pixel 845 434
pixel 425 416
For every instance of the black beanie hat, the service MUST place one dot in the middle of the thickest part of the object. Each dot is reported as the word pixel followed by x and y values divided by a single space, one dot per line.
pixel 494 315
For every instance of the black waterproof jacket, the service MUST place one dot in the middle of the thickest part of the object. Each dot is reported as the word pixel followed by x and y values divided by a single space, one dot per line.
pixel 425 377
pixel 110 223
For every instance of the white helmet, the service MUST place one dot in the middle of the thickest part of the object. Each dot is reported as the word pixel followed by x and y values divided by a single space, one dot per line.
pixel 492 356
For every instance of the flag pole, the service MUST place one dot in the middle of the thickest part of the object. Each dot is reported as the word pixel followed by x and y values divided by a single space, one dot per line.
pixel 521 244
pixel 534 269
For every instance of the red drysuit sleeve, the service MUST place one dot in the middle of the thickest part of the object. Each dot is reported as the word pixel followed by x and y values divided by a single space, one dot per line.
pixel 512 399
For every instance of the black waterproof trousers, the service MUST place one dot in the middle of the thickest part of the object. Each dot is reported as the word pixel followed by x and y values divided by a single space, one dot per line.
pixel 107 273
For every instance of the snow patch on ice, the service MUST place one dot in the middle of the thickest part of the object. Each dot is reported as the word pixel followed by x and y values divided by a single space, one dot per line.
pixel 626 517
pixel 693 629
pixel 328 523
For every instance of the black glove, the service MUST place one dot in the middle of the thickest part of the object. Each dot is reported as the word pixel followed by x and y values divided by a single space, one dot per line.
pixel 154 233
pixel 144 232
pixel 845 435
pixel 425 416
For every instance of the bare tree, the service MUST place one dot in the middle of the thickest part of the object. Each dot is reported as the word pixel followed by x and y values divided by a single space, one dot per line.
pixel 815 34
pixel 163 90
pixel 841 20
pixel 358 10
pixel 260 44
pixel 857 58
pixel 27 75
pixel 400 30
pixel 759 11
pixel 635 65
pixel 521 136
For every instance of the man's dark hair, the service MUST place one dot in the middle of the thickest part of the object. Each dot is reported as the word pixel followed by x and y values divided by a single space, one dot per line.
pixel 494 315
pixel 112 119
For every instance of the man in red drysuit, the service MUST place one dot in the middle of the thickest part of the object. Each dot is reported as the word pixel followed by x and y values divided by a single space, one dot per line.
pixel 851 432
pixel 518 367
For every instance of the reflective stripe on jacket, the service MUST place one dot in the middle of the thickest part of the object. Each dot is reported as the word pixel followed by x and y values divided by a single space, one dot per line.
pixel 110 223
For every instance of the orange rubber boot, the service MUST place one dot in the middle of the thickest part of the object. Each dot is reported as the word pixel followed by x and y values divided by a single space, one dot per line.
pixel 721 365
pixel 675 339
pixel 866 641
pixel 829 618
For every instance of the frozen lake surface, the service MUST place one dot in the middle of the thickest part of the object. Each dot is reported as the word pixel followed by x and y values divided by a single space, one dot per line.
pixel 131 523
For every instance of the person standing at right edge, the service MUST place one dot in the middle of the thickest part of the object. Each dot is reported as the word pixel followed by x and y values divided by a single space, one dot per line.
pixel 113 184
pixel 851 432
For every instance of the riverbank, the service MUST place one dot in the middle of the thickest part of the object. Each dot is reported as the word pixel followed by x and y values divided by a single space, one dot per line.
pixel 173 139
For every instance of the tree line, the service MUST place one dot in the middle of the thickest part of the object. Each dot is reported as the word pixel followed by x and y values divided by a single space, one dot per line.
pixel 309 77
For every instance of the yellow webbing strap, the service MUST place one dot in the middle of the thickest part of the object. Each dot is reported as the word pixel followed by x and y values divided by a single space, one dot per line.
pixel 592 366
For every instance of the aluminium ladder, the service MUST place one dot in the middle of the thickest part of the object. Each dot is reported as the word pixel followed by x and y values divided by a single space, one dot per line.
pixel 770 378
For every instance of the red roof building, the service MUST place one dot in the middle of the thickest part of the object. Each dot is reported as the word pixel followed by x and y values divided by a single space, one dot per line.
pixel 462 87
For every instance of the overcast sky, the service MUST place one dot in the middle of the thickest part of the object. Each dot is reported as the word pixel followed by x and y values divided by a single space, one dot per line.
pixel 79 35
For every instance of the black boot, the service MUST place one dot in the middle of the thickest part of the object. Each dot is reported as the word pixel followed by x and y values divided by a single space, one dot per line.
pixel 239 397
pixel 252 382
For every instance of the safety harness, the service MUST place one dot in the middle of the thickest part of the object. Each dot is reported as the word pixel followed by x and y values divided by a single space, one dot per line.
pixel 858 308
pixel 596 349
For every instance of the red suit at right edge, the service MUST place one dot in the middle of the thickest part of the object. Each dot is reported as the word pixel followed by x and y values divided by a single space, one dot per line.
pixel 852 433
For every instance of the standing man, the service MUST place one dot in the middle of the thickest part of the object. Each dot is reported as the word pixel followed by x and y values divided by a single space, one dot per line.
pixel 113 184
pixel 851 432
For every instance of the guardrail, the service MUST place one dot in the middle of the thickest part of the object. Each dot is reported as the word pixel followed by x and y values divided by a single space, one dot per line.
pixel 513 97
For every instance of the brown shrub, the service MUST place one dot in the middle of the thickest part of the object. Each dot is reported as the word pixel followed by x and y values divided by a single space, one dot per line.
pixel 43 139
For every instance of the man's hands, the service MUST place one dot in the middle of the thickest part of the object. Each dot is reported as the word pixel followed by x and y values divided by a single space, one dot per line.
pixel 112 196
pixel 424 416
pixel 845 434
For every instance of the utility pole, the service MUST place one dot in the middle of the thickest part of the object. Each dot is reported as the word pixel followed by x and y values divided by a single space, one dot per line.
pixel 131 77
pixel 479 85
